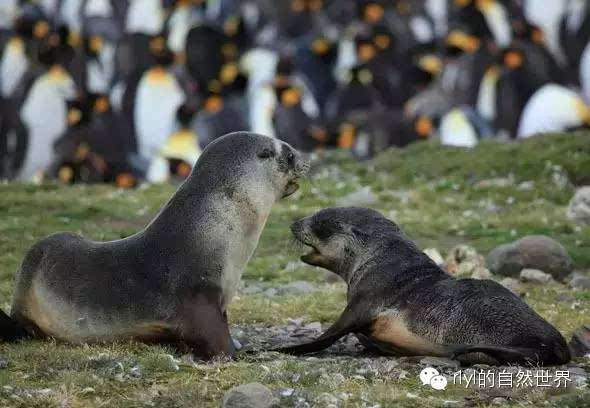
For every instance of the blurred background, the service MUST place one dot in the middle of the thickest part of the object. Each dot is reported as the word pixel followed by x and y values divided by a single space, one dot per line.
pixel 121 91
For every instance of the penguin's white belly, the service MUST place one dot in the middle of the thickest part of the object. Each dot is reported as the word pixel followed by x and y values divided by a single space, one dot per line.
pixel 155 112
pixel 553 108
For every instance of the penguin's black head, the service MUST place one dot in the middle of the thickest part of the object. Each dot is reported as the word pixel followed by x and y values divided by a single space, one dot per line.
pixel 372 11
pixel 185 115
pixel 513 59
pixel 159 49
pixel 461 41
pixel 366 49
pixel 383 39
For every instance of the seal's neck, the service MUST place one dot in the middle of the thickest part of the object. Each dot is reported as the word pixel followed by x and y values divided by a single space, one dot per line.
pixel 395 259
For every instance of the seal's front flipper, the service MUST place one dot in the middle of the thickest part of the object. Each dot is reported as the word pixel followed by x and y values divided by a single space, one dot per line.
pixel 347 323
pixel 10 330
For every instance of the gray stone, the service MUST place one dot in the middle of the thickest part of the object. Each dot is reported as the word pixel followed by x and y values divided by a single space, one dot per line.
pixel 580 342
pixel 535 276
pixel 135 372
pixel 580 282
pixel 496 182
pixel 327 400
pixel 463 261
pixel 252 395
pixel 512 285
pixel 579 207
pixel 270 292
pixel 332 380
pixel 434 255
pixel 481 273
pixel 531 252
pixel 360 198
pixel 3 362
pixel 251 289
pixel 296 288
pixel 439 362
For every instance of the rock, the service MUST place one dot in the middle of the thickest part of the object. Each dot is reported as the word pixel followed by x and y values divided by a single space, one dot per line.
pixel 580 282
pixel 331 277
pixel 3 362
pixel 251 289
pixel 270 292
pixel 463 261
pixel 252 395
pixel 496 182
pixel 439 362
pixel 296 288
pixel 314 326
pixel 535 276
pixel 360 198
pixel 135 372
pixel 499 401
pixel 579 207
pixel 564 297
pixel 481 273
pixel 580 342
pixel 436 257
pixel 326 400
pixel 531 252
pixel 512 285
pixel 332 380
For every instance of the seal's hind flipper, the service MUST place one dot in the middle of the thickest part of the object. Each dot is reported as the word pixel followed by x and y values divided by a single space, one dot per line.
pixel 503 354
pixel 348 322
pixel 9 329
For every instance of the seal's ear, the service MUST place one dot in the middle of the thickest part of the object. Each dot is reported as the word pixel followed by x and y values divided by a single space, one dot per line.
pixel 266 153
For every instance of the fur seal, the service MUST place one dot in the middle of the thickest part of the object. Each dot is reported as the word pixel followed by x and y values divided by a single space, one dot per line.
pixel 400 302
pixel 173 281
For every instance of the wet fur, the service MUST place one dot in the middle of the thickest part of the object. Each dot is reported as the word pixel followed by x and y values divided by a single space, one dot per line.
pixel 402 303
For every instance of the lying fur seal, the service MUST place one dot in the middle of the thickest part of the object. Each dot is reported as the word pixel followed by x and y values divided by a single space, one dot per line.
pixel 173 281
pixel 402 303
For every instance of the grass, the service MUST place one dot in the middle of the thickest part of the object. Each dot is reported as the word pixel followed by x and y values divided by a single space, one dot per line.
pixel 439 195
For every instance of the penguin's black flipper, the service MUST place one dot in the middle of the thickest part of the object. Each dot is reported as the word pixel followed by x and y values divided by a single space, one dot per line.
pixel 9 329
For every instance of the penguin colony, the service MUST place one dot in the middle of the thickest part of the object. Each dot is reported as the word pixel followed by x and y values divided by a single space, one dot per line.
pixel 127 90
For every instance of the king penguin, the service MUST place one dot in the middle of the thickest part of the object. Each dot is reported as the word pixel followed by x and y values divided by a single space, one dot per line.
pixel 44 114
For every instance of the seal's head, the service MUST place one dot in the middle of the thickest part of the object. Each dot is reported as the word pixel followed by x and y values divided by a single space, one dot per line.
pixel 251 163
pixel 342 238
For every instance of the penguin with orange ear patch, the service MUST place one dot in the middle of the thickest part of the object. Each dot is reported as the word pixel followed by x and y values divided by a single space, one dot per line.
pixel 180 152
pixel 206 49
pixel 553 108
pixel 157 98
pixel 357 96
pixel 316 61
pixel 92 150
pixel 220 113
pixel 574 34
pixel 44 113
pixel 519 80
pixel 292 125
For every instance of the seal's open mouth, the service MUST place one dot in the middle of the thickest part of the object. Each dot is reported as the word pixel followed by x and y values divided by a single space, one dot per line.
pixel 292 187
pixel 313 257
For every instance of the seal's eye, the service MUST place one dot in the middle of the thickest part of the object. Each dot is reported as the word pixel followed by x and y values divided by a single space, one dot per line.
pixel 290 157
pixel 266 153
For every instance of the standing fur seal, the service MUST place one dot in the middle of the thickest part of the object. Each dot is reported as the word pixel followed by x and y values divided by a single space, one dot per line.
pixel 173 281
pixel 400 302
